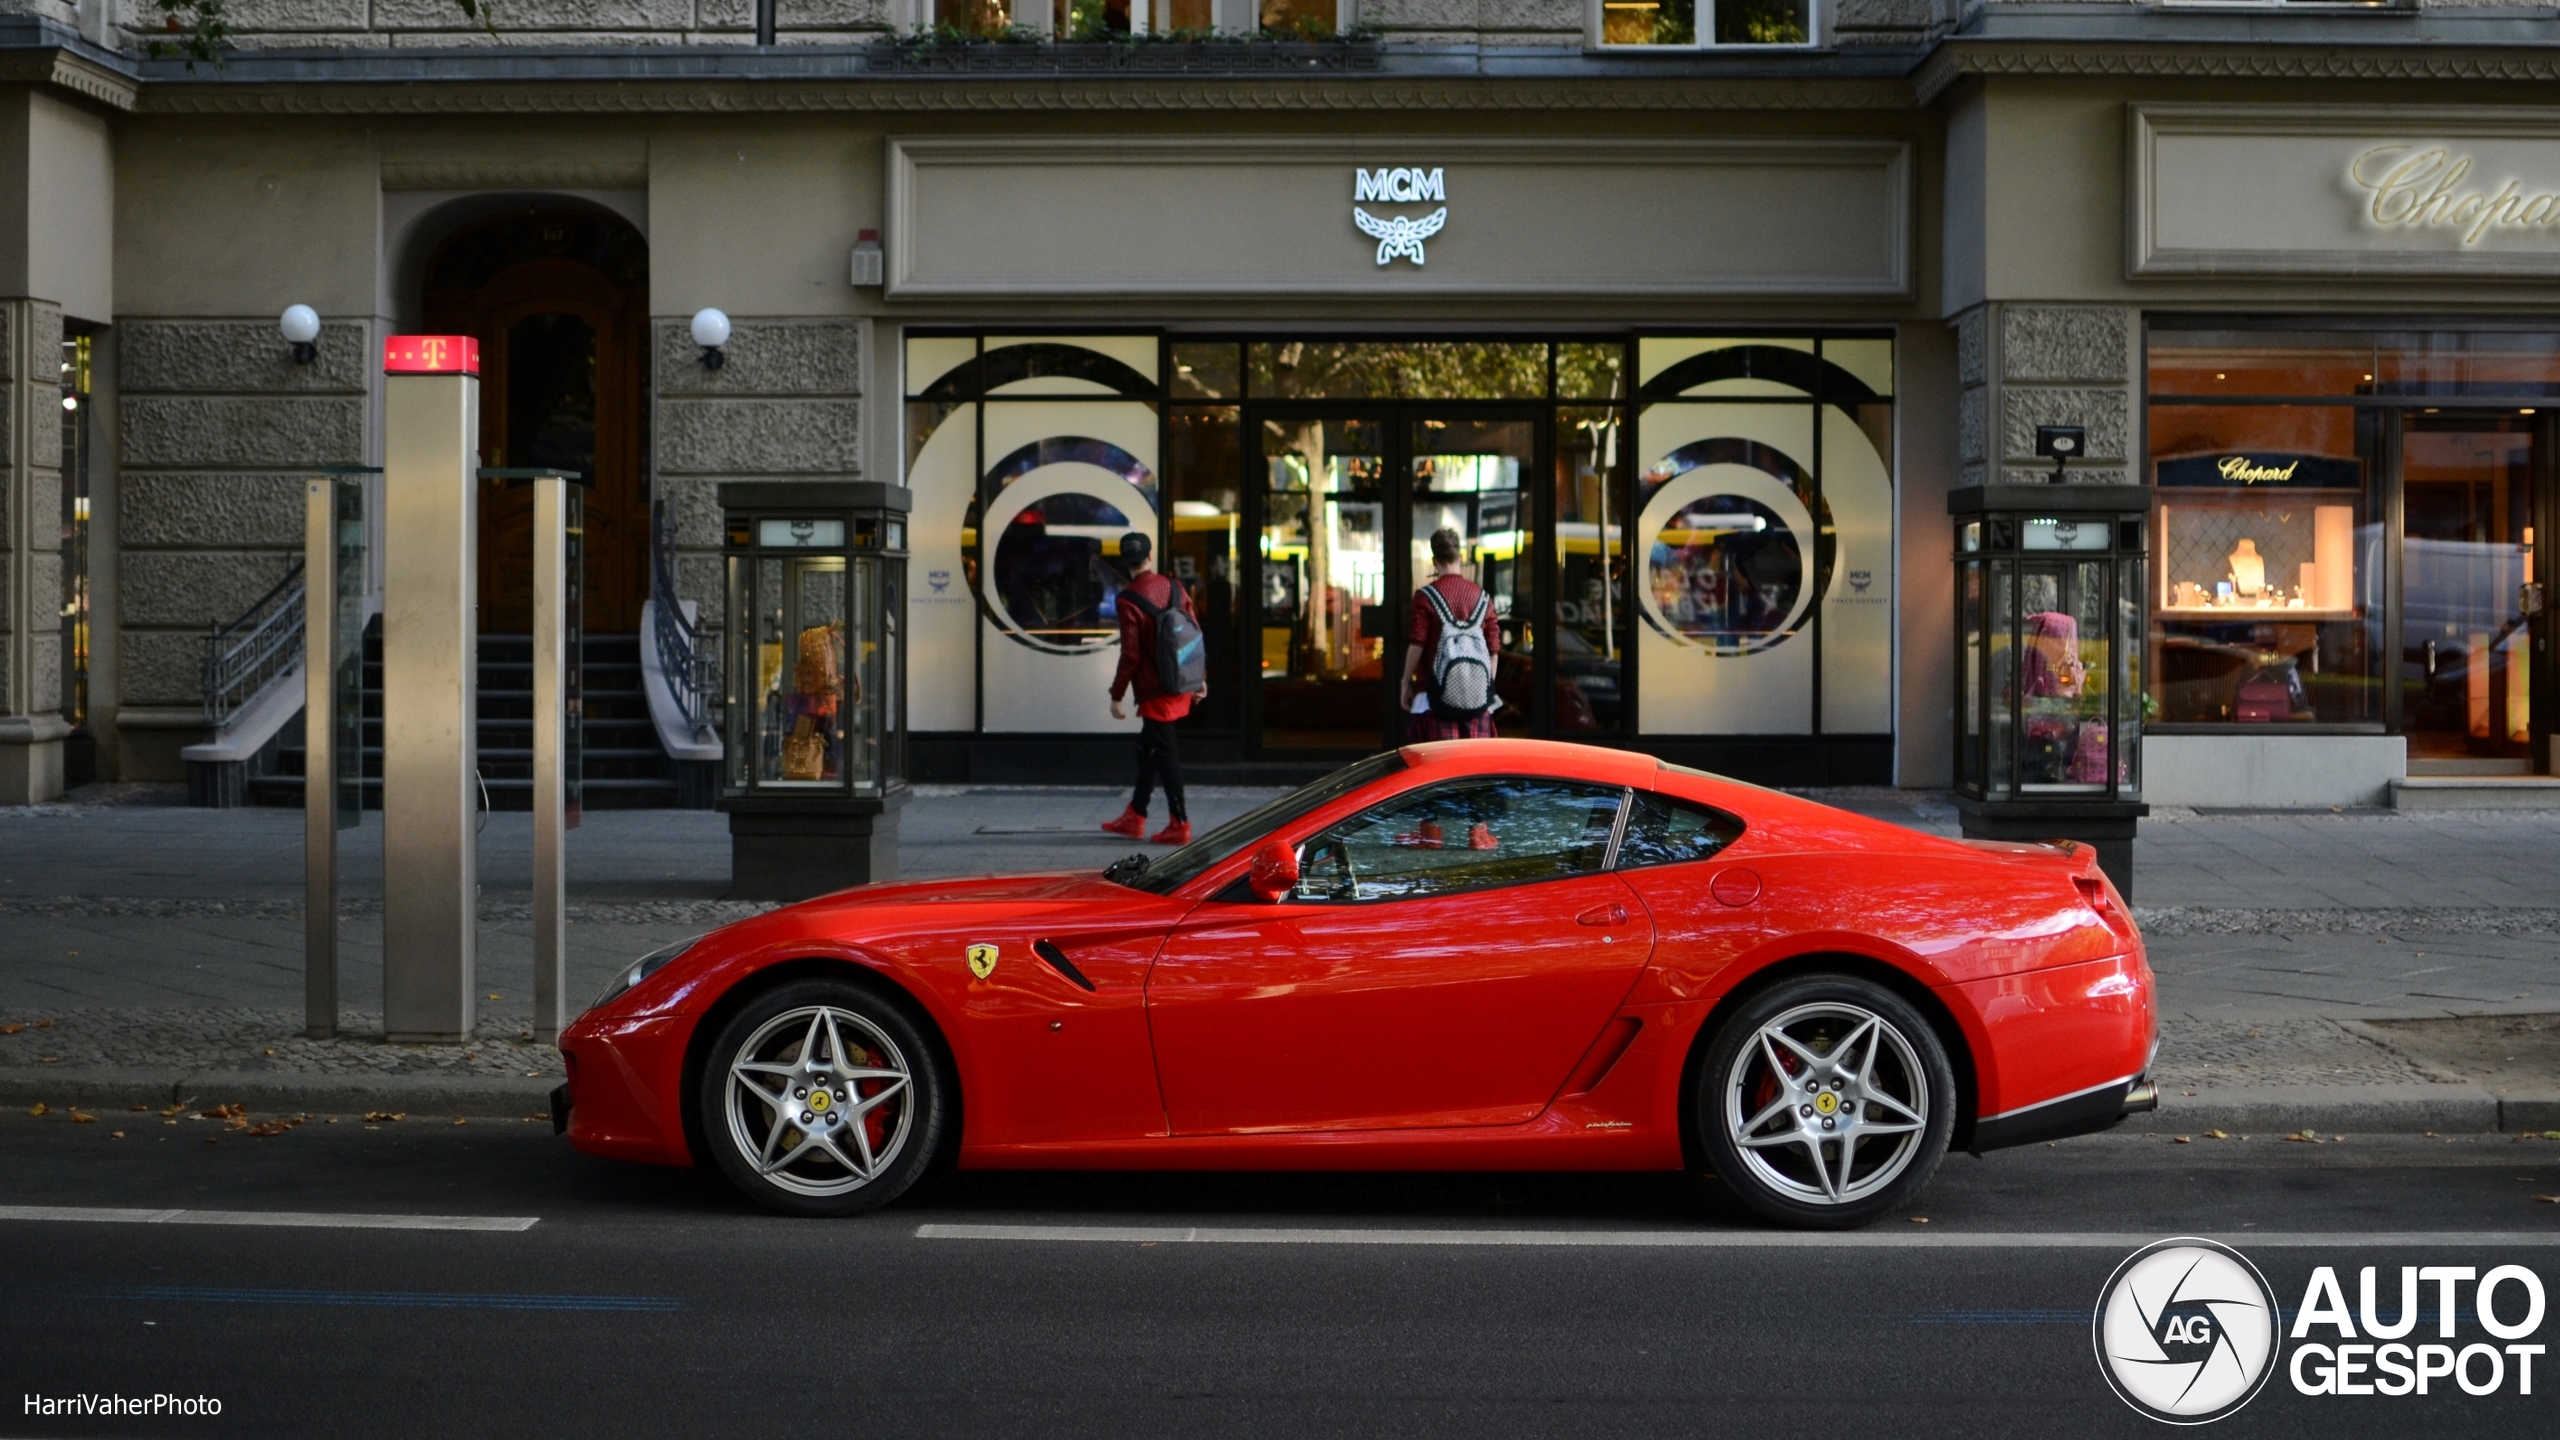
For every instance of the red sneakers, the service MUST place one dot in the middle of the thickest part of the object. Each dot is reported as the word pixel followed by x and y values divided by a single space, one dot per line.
pixel 1130 823
pixel 1175 832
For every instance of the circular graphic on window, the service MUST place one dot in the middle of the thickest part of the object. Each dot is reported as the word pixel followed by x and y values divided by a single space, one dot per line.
pixel 1045 563
pixel 1733 559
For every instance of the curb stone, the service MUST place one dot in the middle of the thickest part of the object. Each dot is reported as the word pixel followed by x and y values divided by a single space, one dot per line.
pixel 482 1095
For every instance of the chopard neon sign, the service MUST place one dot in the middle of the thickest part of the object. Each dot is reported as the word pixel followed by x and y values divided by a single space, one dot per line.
pixel 2250 472
pixel 2414 187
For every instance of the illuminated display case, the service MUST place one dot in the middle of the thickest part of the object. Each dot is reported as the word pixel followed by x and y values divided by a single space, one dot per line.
pixel 813 670
pixel 2050 590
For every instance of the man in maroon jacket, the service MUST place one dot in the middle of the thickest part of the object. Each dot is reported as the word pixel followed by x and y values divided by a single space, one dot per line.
pixel 1157 710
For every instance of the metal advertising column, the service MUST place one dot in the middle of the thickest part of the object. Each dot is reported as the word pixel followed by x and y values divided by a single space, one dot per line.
pixel 558 626
pixel 430 683
pixel 333 570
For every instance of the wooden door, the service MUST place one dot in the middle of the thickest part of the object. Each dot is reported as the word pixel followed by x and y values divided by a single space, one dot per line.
pixel 562 348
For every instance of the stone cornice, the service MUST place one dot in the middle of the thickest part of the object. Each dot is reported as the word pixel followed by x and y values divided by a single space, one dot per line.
pixel 898 95
pixel 1960 59
pixel 64 70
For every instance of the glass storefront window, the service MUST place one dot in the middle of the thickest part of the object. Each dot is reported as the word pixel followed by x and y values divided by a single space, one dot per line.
pixel 1206 521
pixel 1764 523
pixel 1360 370
pixel 1592 616
pixel 1467 476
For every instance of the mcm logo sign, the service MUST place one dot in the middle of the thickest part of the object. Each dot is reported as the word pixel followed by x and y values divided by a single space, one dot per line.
pixel 1399 235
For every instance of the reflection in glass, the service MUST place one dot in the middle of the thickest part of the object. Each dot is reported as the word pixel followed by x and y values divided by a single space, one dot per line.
pixel 1592 614
pixel 1648 22
pixel 1726 571
pixel 2466 681
pixel 1201 470
pixel 1763 22
pixel 1466 477
pixel 1207 372
pixel 811 689
pixel 1324 575
pixel 1468 835
pixel 1591 372
pixel 1338 370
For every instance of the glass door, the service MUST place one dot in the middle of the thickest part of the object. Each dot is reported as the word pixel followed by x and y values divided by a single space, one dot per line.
pixel 1467 471
pixel 2468 487
pixel 1328 561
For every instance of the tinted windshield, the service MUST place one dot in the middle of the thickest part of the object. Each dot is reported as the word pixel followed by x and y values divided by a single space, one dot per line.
pixel 1163 877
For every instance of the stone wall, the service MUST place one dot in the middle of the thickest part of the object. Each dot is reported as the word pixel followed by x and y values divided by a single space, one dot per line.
pixel 31 723
pixel 2023 365
pixel 219 430
pixel 440 24
pixel 786 404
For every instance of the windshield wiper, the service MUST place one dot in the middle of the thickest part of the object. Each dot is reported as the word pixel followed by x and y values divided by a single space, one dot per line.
pixel 1125 870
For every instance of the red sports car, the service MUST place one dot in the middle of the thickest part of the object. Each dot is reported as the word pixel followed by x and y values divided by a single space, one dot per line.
pixel 1473 955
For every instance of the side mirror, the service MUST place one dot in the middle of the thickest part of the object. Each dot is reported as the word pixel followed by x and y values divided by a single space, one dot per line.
pixel 1274 873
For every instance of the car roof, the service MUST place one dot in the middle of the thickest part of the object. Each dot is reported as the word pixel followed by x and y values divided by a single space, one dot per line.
pixel 1537 757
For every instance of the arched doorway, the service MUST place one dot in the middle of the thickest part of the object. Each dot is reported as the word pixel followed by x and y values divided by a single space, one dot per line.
pixel 558 300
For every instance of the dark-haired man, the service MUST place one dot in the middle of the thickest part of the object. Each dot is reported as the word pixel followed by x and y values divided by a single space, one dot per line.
pixel 1158 760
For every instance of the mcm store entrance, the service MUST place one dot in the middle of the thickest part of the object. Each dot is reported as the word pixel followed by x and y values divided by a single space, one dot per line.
pixel 1688 542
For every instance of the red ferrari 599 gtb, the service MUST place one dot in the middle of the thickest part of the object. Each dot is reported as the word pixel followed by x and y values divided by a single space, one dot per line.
pixel 1472 955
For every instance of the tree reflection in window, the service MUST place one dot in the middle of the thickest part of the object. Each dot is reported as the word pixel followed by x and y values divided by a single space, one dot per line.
pixel 1464 835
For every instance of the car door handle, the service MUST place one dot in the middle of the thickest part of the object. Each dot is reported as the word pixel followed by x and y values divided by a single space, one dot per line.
pixel 1610 914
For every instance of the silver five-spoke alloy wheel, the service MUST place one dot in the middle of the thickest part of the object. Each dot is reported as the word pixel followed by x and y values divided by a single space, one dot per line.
pixel 819 1101
pixel 1828 1103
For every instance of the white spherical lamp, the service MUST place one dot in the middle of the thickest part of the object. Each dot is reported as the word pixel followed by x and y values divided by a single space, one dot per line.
pixel 301 326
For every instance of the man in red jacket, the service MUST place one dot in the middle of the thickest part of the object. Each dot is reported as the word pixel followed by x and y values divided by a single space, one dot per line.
pixel 1157 710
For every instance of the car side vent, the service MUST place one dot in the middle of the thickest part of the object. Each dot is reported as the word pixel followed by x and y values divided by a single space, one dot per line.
pixel 1059 962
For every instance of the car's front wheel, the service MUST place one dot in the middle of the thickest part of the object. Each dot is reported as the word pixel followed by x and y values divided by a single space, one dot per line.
pixel 1825 1101
pixel 823 1098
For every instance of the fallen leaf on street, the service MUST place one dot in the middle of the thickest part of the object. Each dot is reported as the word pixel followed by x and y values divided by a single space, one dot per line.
pixel 40 1108
pixel 12 1028
pixel 457 1119
pixel 82 1117
pixel 44 1025
pixel 2304 1137
pixel 2186 1140
pixel 2217 1135
pixel 2548 1199
pixel 385 1116
pixel 115 1134
pixel 138 1109
pixel 1919 1219
pixel 50 1059
pixel 272 1127
pixel 232 1111
pixel 173 1110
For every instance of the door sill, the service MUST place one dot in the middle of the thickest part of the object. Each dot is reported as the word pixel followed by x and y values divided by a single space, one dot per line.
pixel 2518 766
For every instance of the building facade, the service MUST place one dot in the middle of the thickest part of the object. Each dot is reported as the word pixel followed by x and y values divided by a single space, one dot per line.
pixel 1687 318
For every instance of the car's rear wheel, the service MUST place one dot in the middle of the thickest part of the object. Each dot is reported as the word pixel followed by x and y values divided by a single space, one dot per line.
pixel 1825 1101
pixel 823 1098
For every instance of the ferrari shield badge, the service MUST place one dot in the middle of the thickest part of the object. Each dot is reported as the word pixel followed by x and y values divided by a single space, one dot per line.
pixel 982 960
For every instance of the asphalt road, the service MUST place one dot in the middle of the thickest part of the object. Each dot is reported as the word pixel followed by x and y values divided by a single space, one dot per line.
pixel 649 1302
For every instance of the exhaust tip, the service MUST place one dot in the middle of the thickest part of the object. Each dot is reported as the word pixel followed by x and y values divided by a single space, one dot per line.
pixel 2143 1095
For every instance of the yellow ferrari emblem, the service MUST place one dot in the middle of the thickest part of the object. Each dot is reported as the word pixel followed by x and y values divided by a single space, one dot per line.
pixel 819 1100
pixel 1826 1102
pixel 982 960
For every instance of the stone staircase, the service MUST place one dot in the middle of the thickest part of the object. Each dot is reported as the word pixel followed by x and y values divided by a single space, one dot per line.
pixel 624 769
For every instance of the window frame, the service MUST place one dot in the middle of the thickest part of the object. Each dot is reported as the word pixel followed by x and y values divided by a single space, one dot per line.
pixel 1608 854
pixel 1596 23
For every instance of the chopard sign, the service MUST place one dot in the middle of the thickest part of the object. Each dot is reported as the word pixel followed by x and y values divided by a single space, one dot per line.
pixel 2429 187
pixel 1399 235
pixel 2250 472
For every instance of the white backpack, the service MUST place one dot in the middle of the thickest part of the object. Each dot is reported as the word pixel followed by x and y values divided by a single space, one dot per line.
pixel 1461 668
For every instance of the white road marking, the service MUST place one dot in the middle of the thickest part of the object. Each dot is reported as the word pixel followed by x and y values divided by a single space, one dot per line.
pixel 2467 1240
pixel 306 1219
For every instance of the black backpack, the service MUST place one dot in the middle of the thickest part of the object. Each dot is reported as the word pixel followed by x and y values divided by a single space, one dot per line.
pixel 1182 655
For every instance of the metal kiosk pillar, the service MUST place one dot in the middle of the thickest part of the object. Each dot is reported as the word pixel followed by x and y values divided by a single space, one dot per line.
pixel 430 686
pixel 333 569
pixel 559 585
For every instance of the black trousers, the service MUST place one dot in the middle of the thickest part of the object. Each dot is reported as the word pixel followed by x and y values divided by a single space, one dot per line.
pixel 1159 760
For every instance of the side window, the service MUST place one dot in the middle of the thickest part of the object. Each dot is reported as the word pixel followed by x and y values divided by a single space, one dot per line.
pixel 1465 835
pixel 1665 831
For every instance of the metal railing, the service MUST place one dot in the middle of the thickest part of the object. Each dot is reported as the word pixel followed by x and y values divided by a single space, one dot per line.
pixel 241 658
pixel 692 673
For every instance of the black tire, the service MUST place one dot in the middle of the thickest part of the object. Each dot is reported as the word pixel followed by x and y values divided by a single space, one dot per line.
pixel 1842 1149
pixel 887 1108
